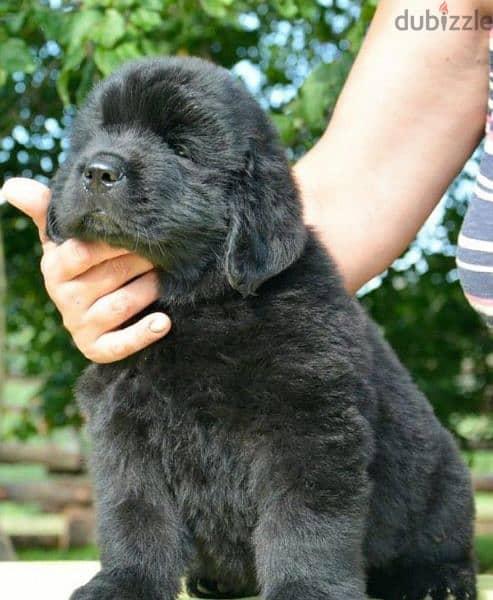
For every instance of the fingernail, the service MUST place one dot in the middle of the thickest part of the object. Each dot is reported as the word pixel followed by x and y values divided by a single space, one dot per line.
pixel 159 324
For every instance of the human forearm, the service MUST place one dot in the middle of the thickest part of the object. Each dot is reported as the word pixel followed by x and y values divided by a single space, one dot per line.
pixel 410 114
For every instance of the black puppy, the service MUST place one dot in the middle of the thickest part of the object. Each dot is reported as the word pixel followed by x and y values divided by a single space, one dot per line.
pixel 272 442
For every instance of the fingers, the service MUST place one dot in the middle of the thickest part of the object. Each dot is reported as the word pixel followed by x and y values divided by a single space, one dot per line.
pixel 31 197
pixel 82 292
pixel 93 329
pixel 73 257
pixel 97 302
pixel 120 344
pixel 113 309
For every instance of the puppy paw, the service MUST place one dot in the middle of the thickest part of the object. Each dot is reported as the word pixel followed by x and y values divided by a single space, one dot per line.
pixel 451 581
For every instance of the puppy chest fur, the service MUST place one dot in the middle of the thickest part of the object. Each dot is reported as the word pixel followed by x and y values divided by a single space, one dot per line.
pixel 227 413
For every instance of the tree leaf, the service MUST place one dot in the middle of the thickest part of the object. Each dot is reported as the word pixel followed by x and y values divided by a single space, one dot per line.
pixel 153 4
pixel 160 47
pixel 110 29
pixel 73 58
pixel 285 127
pixel 287 8
pixel 108 60
pixel 16 56
pixel 86 82
pixel 145 19
pixel 62 86
pixel 53 25
pixel 83 23
pixel 15 21
pixel 216 8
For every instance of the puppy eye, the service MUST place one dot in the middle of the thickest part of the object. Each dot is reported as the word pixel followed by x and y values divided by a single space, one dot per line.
pixel 181 150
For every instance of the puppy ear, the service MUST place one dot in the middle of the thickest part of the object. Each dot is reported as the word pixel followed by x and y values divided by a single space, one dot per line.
pixel 267 233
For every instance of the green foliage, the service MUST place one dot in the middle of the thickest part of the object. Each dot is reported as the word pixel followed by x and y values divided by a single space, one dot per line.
pixel 85 553
pixel 15 56
pixel 483 548
pixel 295 56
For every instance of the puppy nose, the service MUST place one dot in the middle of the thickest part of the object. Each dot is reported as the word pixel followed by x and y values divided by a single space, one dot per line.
pixel 103 172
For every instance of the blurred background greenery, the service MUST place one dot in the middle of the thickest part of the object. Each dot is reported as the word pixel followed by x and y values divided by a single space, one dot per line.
pixel 294 56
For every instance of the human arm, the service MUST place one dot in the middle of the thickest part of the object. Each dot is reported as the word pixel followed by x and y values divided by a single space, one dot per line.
pixel 410 115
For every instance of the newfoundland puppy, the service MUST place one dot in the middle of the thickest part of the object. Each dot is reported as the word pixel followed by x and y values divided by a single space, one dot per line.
pixel 272 443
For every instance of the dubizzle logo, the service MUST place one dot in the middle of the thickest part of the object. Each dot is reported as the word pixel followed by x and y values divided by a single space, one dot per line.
pixel 446 21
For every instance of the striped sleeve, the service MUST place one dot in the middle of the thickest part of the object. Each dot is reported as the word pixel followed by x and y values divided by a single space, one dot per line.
pixel 475 245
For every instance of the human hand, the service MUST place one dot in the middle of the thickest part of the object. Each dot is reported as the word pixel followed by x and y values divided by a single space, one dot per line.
pixel 95 287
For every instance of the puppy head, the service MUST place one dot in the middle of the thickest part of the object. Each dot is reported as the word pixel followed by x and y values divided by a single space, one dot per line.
pixel 173 159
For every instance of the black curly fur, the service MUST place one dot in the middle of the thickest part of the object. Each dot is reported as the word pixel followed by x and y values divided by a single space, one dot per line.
pixel 272 441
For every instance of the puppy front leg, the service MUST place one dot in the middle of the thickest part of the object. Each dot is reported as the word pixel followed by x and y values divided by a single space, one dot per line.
pixel 144 550
pixel 304 555
pixel 313 498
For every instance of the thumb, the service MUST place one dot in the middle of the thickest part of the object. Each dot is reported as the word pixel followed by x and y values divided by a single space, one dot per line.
pixel 31 197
